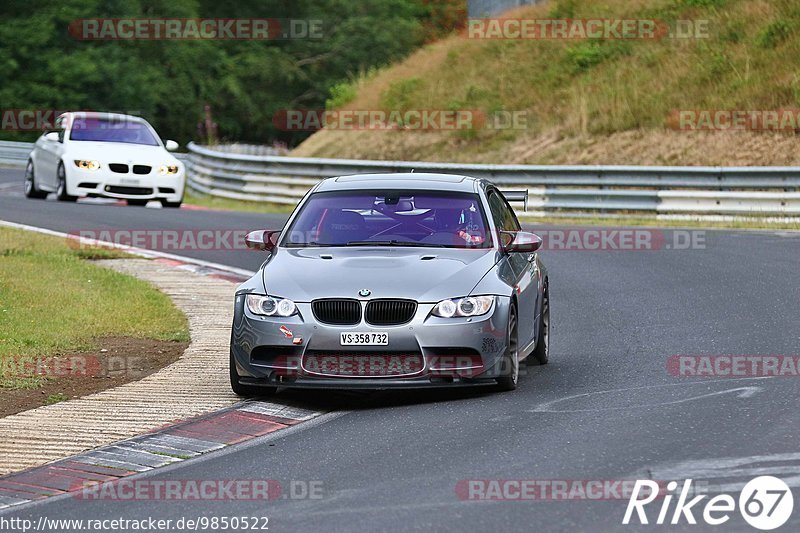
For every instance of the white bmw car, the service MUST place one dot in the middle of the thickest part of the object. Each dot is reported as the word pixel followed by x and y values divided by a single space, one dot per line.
pixel 105 155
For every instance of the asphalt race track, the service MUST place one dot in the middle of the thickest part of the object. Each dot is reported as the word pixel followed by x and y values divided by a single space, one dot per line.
pixel 605 408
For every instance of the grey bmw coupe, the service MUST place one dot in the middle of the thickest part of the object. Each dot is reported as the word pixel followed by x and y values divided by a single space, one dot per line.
pixel 392 280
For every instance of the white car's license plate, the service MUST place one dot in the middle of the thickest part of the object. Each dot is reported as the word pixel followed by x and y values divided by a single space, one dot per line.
pixel 364 339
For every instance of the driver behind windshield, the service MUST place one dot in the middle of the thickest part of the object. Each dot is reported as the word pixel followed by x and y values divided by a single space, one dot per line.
pixel 429 219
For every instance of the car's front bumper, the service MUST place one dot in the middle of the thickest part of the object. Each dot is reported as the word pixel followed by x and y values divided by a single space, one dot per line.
pixel 428 351
pixel 106 184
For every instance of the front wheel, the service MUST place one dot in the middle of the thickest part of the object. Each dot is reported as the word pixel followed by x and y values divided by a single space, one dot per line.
pixel 247 391
pixel 61 191
pixel 30 184
pixel 173 205
pixel 509 364
pixel 541 354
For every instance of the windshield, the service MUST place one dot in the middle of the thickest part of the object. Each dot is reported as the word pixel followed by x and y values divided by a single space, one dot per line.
pixel 115 131
pixel 390 218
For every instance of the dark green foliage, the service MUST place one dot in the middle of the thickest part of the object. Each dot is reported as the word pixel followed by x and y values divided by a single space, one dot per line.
pixel 42 66
pixel 776 32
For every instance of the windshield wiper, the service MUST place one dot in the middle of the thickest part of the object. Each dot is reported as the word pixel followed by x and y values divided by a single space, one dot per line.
pixel 388 243
pixel 309 245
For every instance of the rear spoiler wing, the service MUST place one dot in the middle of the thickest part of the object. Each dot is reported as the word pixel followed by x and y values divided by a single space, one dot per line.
pixel 517 196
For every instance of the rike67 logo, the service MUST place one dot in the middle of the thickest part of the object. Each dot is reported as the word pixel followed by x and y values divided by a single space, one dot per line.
pixel 765 503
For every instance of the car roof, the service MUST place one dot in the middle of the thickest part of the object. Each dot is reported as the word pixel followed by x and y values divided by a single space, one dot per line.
pixel 117 117
pixel 404 180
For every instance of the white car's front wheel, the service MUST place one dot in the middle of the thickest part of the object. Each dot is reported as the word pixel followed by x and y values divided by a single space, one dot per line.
pixel 31 191
pixel 165 203
pixel 61 190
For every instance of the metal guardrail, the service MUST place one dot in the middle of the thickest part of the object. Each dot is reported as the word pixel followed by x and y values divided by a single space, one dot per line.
pixel 568 189
pixel 636 190
pixel 14 154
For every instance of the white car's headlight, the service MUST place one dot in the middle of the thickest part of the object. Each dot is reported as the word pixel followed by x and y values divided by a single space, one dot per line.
pixel 469 306
pixel 168 170
pixel 259 304
pixel 87 164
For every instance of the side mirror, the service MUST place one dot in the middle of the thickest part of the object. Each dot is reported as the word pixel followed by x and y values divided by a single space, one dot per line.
pixel 520 241
pixel 52 136
pixel 262 239
pixel 171 146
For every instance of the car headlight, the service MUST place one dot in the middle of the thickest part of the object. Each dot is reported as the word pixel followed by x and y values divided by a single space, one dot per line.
pixel 469 306
pixel 87 164
pixel 168 170
pixel 259 304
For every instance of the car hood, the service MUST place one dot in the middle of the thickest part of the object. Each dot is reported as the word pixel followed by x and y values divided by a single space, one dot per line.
pixel 121 152
pixel 421 274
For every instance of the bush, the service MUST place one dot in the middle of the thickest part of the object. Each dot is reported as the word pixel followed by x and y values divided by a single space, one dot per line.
pixel 400 94
pixel 587 54
pixel 775 33
pixel 341 95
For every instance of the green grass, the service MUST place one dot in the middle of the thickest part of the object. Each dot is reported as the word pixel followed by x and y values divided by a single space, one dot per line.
pixel 177 456
pixel 93 254
pixel 226 204
pixel 15 382
pixel 56 398
pixel 746 60
pixel 54 301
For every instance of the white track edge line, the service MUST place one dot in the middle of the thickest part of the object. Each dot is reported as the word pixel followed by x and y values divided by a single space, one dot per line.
pixel 150 254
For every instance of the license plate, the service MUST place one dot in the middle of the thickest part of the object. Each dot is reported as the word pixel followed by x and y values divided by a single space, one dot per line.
pixel 364 339
pixel 129 182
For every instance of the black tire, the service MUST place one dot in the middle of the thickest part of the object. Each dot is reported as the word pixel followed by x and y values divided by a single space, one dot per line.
pixel 61 191
pixel 138 203
pixel 541 354
pixel 247 391
pixel 171 205
pixel 31 191
pixel 510 363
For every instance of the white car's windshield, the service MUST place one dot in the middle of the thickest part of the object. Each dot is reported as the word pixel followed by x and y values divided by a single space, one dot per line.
pixel 117 131
pixel 390 218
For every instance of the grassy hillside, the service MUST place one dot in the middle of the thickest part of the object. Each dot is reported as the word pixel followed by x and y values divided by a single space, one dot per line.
pixel 592 102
